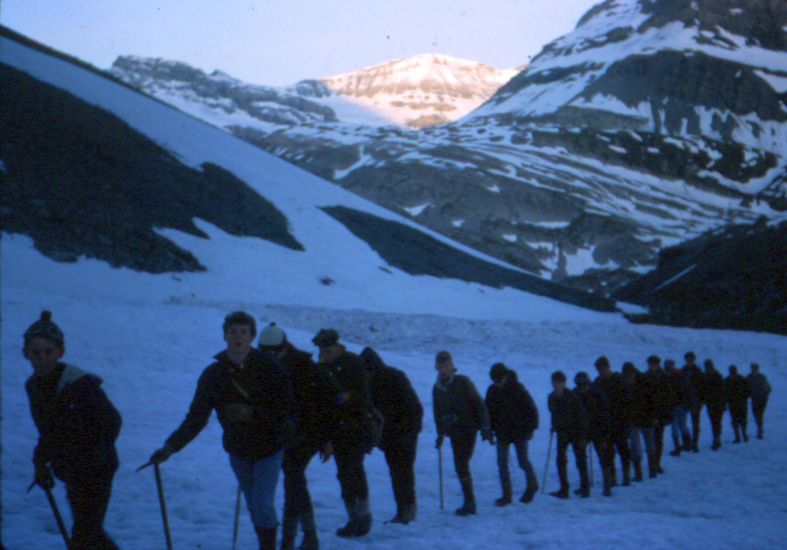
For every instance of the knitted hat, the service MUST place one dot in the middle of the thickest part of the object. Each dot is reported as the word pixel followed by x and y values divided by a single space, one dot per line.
pixel 602 362
pixel 497 372
pixel 45 328
pixel 272 337
pixel 240 318
pixel 581 378
pixel 326 338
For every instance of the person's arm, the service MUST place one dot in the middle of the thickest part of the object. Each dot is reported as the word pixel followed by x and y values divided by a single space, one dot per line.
pixel 481 414
pixel 100 421
pixel 492 409
pixel 197 417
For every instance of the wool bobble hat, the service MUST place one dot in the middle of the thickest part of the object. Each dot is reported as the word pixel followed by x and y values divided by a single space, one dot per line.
pixel 45 328
pixel 272 336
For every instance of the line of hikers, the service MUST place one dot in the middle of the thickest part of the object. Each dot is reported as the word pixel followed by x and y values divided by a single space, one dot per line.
pixel 278 409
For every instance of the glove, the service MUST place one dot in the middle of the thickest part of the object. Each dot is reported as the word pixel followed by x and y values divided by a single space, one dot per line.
pixel 439 442
pixel 44 477
pixel 487 435
pixel 162 454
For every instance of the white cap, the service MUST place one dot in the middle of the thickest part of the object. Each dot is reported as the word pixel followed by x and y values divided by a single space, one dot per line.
pixel 272 336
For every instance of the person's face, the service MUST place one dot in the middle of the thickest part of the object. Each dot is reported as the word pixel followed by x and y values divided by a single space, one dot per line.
pixel 501 381
pixel 603 370
pixel 690 360
pixel 328 354
pixel 239 339
pixel 558 385
pixel 755 369
pixel 444 368
pixel 582 388
pixel 43 355
pixel 653 365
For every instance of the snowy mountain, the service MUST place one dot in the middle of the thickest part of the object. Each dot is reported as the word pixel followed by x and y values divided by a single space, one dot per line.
pixel 651 123
pixel 420 91
pixel 141 227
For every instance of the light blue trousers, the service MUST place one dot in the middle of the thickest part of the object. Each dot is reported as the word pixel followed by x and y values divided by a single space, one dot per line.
pixel 258 480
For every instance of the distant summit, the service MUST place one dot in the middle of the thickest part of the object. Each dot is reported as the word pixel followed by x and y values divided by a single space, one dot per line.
pixel 416 92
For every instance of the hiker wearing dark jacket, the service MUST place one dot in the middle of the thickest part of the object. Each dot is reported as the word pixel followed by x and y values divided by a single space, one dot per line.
pixel 641 417
pixel 353 437
pixel 394 397
pixel 683 400
pixel 612 387
pixel 315 396
pixel 570 423
pixel 716 399
pixel 696 380
pixel 738 393
pixel 251 395
pixel 760 390
pixel 513 417
pixel 657 409
pixel 459 413
pixel 599 426
pixel 78 426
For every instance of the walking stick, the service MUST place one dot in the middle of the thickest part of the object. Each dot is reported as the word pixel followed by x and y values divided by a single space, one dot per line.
pixel 56 511
pixel 440 474
pixel 237 519
pixel 546 467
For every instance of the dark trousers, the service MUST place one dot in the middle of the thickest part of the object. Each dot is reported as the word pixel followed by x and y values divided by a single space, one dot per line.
pixel 695 424
pixel 400 457
pixel 351 473
pixel 620 443
pixel 658 440
pixel 463 445
pixel 297 500
pixel 715 414
pixel 520 447
pixel 739 412
pixel 758 410
pixel 89 500
pixel 580 455
pixel 606 458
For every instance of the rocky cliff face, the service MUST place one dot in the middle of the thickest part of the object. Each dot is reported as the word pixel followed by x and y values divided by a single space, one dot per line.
pixel 649 124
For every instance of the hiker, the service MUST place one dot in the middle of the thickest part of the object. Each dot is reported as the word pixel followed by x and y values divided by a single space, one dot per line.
pixel 570 423
pixel 253 400
pixel 599 426
pixel 760 390
pixel 613 388
pixel 684 399
pixel 78 426
pixel 738 393
pixel 696 379
pixel 315 394
pixel 642 418
pixel 716 399
pixel 459 414
pixel 395 398
pixel 513 417
pixel 353 438
pixel 658 409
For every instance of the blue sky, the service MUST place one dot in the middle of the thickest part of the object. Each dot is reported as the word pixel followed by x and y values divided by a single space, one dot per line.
pixel 283 41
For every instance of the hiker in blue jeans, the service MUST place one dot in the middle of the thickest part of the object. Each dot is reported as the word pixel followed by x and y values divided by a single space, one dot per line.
pixel 251 394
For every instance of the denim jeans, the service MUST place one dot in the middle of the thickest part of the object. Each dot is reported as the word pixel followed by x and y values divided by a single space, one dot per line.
pixel 258 480
pixel 636 438
pixel 680 425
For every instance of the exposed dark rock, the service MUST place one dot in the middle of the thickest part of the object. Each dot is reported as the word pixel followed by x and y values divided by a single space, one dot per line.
pixel 81 182
pixel 733 278
pixel 417 253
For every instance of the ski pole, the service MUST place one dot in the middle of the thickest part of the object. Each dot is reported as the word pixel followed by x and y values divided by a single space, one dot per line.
pixel 546 467
pixel 440 474
pixel 163 505
pixel 237 519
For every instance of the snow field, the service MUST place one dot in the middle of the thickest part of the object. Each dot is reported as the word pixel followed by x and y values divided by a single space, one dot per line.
pixel 150 352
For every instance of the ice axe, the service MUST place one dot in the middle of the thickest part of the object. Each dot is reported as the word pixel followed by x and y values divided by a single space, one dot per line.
pixel 161 500
pixel 546 466
pixel 237 520
pixel 56 511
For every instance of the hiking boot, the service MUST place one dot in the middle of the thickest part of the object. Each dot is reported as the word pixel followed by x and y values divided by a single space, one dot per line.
pixel 289 530
pixel 561 494
pixel 350 527
pixel 468 508
pixel 310 541
pixel 687 445
pixel 267 537
pixel 529 494
pixel 504 500
pixel 677 449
